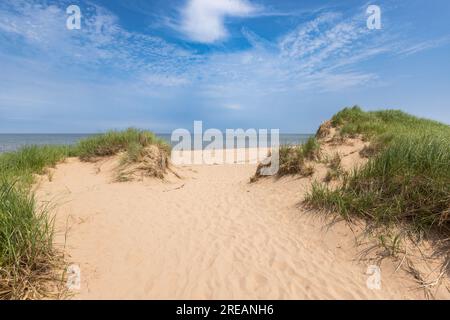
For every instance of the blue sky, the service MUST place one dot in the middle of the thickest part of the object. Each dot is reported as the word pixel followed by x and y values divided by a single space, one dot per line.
pixel 231 63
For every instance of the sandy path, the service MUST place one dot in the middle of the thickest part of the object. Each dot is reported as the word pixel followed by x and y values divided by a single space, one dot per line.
pixel 210 235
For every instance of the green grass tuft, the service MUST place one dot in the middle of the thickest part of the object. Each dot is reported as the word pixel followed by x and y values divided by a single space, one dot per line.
pixel 407 177
pixel 32 160
pixel 292 158
pixel 113 142
pixel 26 252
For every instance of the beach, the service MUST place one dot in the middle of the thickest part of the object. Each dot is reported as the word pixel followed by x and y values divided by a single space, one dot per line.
pixel 228 150
pixel 208 234
pixel 118 216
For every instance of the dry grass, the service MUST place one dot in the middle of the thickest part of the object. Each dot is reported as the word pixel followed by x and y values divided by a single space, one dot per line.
pixel 294 159
pixel 151 161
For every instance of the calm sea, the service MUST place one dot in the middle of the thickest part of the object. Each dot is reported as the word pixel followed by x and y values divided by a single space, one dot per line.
pixel 12 142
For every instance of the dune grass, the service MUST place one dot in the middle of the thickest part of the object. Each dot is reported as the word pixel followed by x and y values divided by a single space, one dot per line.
pixel 27 256
pixel 334 168
pixel 22 164
pixel 131 141
pixel 292 158
pixel 26 231
pixel 407 177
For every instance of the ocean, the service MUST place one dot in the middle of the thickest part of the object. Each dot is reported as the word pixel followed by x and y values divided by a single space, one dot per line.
pixel 13 142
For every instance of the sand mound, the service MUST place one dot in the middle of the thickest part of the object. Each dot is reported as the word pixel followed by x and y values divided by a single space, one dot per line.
pixel 334 157
pixel 151 161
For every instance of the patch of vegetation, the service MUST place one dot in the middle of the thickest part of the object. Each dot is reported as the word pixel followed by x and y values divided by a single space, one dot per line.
pixel 370 150
pixel 334 168
pixel 27 256
pixel 150 161
pixel 21 165
pixel 292 159
pixel 407 178
pixel 311 149
pixel 131 141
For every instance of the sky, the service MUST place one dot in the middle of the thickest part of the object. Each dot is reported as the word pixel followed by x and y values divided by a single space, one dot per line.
pixel 263 64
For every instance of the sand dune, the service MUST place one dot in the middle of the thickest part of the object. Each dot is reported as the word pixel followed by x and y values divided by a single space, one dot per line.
pixel 208 235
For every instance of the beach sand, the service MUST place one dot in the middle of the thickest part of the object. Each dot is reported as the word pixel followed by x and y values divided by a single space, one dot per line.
pixel 208 234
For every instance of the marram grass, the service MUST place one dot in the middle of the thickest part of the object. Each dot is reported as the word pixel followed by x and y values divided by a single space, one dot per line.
pixel 407 179
pixel 27 255
pixel 292 158
pixel 112 142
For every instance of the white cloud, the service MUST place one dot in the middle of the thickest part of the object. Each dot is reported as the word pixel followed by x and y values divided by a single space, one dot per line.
pixel 107 65
pixel 320 53
pixel 204 20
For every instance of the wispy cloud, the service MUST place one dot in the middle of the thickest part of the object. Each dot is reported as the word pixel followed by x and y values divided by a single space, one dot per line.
pixel 319 53
pixel 100 42
pixel 423 45
pixel 204 20
pixel 45 66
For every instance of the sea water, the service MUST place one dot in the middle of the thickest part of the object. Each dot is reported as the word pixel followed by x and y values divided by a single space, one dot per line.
pixel 13 142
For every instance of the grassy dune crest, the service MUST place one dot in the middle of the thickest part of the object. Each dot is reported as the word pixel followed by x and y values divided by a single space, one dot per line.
pixel 407 177
pixel 131 141
pixel 27 256
pixel 22 164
